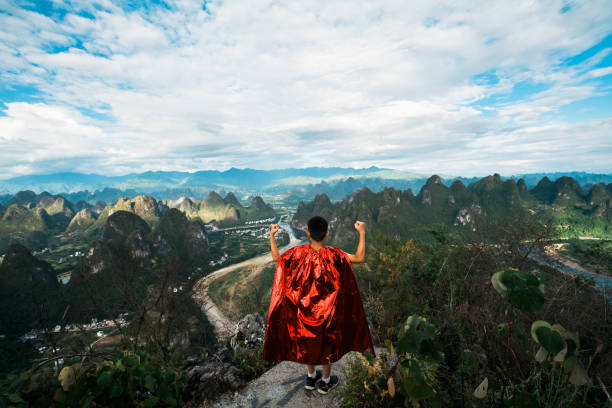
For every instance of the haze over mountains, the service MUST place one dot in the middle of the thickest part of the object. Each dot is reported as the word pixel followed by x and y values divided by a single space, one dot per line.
pixel 293 184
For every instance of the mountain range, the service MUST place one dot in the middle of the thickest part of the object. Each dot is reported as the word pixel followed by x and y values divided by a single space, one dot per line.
pixel 288 184
pixel 400 213
pixel 36 219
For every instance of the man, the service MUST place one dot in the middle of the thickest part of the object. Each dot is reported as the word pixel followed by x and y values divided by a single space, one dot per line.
pixel 316 315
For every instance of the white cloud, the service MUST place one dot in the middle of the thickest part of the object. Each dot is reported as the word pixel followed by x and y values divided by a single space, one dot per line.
pixel 259 84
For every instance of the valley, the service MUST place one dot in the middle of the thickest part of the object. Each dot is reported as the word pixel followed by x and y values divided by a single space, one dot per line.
pixel 107 275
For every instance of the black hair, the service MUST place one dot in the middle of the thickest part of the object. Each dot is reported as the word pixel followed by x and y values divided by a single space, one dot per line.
pixel 317 226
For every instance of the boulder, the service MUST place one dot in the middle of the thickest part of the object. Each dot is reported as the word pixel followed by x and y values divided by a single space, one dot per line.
pixel 251 330
pixel 208 378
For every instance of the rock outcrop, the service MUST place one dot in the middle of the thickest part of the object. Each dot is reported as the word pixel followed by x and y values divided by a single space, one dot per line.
pixel 121 224
pixel 20 267
pixel 81 221
pixel 250 331
pixel 217 374
pixel 23 219
pixel 211 377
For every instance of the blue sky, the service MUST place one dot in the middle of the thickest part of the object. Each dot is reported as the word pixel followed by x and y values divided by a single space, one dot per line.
pixel 467 88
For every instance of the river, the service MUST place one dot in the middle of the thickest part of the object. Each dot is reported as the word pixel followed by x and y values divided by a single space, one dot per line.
pixel 285 224
pixel 603 282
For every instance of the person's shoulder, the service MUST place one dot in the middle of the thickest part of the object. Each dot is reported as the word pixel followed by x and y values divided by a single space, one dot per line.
pixel 334 249
pixel 294 251
pixel 337 252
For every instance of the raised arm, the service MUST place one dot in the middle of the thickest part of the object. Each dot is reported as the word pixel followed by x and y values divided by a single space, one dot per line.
pixel 360 254
pixel 275 253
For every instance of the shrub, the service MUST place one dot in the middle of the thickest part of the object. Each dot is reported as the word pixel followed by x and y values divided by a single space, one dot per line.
pixel 455 282
pixel 403 377
pixel 130 381
pixel 250 359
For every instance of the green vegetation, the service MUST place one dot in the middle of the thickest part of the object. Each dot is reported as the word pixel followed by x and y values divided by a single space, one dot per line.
pixel 131 380
pixel 240 246
pixel 250 359
pixel 467 318
pixel 403 376
pixel 243 291
pixel 596 255
pixel 461 209
pixel 487 314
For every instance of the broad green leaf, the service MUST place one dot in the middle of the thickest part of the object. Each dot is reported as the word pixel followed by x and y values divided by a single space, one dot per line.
pixel 573 343
pixel 560 329
pixel 408 344
pixel 16 398
pixel 413 322
pixel 419 389
pixel 481 391
pixel 170 376
pixel 104 380
pixel 430 352
pixel 560 356
pixel 537 324
pixel 579 375
pixel 67 377
pixel 541 355
pixel 527 298
pixel 497 284
pixel 130 360
pixel 60 395
pixel 551 340
pixel 150 383
pixel 116 391
pixel 151 402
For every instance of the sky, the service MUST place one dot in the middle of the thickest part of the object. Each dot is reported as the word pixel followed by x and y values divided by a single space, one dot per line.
pixel 461 88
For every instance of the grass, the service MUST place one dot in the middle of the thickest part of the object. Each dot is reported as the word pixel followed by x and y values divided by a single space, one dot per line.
pixel 595 255
pixel 243 291
pixel 239 247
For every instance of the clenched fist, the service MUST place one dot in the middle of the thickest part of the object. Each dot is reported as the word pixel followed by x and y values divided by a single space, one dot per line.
pixel 273 229
pixel 360 226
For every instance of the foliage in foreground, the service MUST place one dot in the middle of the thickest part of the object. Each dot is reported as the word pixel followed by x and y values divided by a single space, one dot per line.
pixel 544 343
pixel 407 375
pixel 130 381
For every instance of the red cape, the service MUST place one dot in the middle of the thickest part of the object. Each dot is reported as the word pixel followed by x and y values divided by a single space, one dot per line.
pixel 315 314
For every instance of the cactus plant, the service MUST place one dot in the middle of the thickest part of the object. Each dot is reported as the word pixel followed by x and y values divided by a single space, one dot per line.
pixel 523 291
pixel 563 346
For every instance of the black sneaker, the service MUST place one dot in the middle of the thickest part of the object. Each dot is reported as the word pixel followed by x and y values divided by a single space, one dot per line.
pixel 311 382
pixel 325 387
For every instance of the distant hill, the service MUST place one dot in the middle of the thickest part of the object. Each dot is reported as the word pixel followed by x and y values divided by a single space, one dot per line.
pixel 226 210
pixel 173 183
pixel 126 236
pixel 35 220
pixel 290 184
pixel 30 218
pixel 27 286
pixel 400 213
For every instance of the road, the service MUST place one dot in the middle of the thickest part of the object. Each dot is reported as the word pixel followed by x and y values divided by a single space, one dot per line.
pixel 224 328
